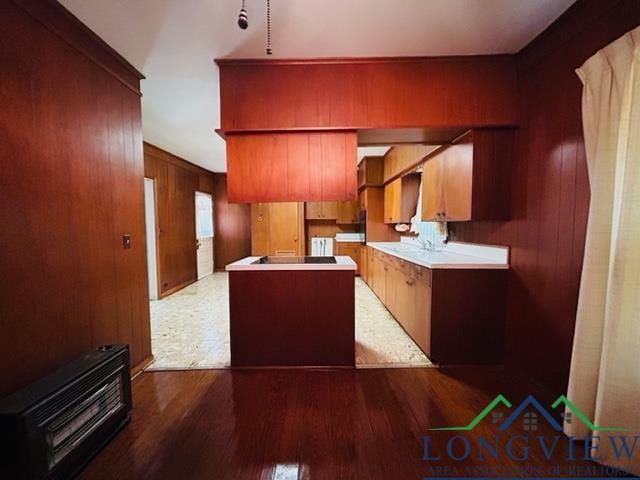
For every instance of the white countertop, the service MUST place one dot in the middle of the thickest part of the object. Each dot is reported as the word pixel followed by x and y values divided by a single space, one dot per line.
pixel 246 264
pixel 454 255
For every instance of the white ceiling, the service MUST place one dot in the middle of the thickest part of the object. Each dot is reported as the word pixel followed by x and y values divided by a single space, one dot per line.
pixel 174 42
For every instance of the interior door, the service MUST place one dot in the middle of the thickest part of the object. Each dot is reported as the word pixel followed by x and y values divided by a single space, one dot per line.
pixel 204 234
pixel 284 229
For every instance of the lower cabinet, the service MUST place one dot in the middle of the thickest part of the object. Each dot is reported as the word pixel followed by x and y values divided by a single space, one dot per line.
pixel 456 316
pixel 350 250
pixel 363 262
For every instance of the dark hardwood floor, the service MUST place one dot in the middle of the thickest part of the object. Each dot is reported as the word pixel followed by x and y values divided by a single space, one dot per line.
pixel 338 424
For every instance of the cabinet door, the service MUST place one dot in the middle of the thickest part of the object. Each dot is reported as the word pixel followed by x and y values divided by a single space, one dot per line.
pixel 293 166
pixel 329 210
pixel 432 203
pixel 260 229
pixel 350 250
pixel 284 229
pixel 313 210
pixel 379 277
pixel 421 321
pixel 363 262
pixel 392 199
pixel 348 212
pixel 417 318
pixel 370 267
pixel 457 182
pixel 394 286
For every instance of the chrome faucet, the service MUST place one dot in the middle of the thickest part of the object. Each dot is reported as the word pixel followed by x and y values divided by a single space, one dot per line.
pixel 425 244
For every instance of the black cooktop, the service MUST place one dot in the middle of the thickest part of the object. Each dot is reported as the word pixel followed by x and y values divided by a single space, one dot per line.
pixel 294 260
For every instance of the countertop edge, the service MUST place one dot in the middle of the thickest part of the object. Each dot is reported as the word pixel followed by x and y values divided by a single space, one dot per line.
pixel 345 263
pixel 441 266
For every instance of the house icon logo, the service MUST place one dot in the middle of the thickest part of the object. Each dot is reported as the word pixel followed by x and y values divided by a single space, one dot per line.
pixel 531 411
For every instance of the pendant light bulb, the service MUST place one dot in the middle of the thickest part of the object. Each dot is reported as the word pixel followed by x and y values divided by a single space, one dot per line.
pixel 243 19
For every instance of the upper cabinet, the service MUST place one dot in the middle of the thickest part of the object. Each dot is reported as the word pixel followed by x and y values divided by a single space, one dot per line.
pixel 403 158
pixel 469 180
pixel 371 172
pixel 348 212
pixel 401 198
pixel 321 210
pixel 281 167
pixel 341 212
pixel 367 93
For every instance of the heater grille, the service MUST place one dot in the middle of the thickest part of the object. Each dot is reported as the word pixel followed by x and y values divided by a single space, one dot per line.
pixel 73 426
pixel 50 429
pixel 71 393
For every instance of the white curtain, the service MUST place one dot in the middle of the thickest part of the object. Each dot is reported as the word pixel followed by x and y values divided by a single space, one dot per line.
pixel 605 369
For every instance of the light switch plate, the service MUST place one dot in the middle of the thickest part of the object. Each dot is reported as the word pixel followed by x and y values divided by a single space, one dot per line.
pixel 126 241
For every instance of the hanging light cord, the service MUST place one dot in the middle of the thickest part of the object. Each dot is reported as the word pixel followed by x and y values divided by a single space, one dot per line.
pixel 269 27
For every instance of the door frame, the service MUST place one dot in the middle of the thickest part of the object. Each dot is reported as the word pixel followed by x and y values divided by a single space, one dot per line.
pixel 155 239
pixel 213 263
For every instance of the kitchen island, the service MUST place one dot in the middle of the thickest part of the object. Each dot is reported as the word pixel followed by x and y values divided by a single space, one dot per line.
pixel 292 311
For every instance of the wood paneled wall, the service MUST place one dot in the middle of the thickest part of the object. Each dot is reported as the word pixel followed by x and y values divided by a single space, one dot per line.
pixel 232 225
pixel 176 181
pixel 368 93
pixel 71 185
pixel 550 198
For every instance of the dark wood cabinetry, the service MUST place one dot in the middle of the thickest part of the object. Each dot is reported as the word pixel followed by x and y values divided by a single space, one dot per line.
pixel 456 316
pixel 367 92
pixel 285 167
pixel 469 180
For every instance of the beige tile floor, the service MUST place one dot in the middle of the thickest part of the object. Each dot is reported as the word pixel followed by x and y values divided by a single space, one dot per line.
pixel 190 329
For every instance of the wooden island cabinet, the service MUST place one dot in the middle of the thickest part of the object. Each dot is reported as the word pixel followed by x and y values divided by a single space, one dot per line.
pixel 292 312
pixel 456 316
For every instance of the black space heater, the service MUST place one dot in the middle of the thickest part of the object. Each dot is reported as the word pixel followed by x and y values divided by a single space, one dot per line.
pixel 52 428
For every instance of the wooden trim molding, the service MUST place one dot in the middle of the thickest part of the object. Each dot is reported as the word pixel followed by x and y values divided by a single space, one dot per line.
pixel 57 19
pixel 356 60
pixel 166 293
pixel 138 368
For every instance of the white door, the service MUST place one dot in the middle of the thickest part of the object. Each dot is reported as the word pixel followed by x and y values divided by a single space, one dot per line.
pixel 150 230
pixel 204 233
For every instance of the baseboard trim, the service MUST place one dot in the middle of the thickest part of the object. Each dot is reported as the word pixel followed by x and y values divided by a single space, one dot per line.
pixel 166 293
pixel 137 369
